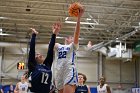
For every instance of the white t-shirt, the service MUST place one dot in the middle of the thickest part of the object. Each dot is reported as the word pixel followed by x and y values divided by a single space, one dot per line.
pixel 23 87
pixel 102 89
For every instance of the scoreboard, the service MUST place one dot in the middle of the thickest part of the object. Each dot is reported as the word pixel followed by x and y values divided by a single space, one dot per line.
pixel 20 65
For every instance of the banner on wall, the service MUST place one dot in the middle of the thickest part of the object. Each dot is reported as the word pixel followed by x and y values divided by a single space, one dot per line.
pixel 93 89
pixel 137 46
pixel 135 90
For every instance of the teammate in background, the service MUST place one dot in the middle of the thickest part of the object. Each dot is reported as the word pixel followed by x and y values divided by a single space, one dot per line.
pixel 66 73
pixel 81 87
pixel 89 45
pixel 102 87
pixel 40 67
pixel 22 86
pixel 1 90
pixel 11 89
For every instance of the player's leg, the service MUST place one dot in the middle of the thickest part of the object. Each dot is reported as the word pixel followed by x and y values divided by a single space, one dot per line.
pixel 59 82
pixel 69 88
pixel 60 91
pixel 71 79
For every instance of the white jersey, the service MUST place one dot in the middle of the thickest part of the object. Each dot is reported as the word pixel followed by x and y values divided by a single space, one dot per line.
pixel 23 87
pixel 102 89
pixel 65 54
pixel 65 68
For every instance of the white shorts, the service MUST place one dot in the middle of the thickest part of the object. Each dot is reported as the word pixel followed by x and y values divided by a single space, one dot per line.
pixel 66 75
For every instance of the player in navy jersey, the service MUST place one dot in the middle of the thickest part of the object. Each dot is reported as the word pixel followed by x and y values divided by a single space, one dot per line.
pixel 11 88
pixel 81 87
pixel 1 90
pixel 40 67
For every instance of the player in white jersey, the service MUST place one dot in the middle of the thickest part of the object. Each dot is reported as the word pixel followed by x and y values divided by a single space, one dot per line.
pixel 22 86
pixel 102 87
pixel 66 74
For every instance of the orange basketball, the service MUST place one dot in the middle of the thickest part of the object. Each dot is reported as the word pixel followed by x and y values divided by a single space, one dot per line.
pixel 74 9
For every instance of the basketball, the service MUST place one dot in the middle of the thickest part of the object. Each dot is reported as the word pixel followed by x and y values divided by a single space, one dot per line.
pixel 74 9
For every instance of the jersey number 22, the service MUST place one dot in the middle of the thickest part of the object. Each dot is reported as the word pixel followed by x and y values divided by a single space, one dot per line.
pixel 62 54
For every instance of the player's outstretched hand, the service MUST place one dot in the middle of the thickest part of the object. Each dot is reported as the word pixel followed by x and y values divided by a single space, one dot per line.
pixel 34 31
pixel 56 27
pixel 81 11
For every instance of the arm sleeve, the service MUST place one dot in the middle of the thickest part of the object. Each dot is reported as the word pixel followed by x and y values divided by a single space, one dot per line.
pixel 31 60
pixel 49 59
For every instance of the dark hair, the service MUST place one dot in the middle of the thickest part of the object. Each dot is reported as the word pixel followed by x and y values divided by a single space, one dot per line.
pixel 26 74
pixel 84 77
pixel 102 77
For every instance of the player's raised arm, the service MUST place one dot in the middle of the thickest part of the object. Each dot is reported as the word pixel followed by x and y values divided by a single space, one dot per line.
pixel 31 59
pixel 55 29
pixel 77 29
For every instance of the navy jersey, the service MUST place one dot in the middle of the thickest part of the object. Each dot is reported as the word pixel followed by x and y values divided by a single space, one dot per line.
pixel 40 74
pixel 81 89
pixel 10 91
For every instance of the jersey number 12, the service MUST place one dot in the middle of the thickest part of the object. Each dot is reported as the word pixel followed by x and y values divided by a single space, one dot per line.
pixel 45 77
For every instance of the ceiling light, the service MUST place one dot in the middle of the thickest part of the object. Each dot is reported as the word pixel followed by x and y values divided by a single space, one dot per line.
pixel 2 34
pixel 107 30
pixel 3 17
pixel 81 38
pixel 86 23
pixel 59 37
pixel 0 29
pixel 66 18
pixel 124 39
pixel 88 18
